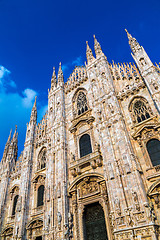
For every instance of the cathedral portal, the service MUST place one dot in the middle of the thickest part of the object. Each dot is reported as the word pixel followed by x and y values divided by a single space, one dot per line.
pixel 94 223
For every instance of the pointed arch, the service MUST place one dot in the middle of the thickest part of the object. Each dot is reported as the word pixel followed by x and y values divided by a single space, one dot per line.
pixel 82 176
pixel 80 102
pixel 139 109
pixel 42 158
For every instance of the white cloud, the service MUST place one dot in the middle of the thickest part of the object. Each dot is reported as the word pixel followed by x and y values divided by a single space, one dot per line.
pixel 5 79
pixel 76 62
pixel 29 96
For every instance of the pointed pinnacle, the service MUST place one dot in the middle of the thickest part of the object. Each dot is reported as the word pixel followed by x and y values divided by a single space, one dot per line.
pixel 89 53
pixel 60 73
pixel 15 133
pixel 128 34
pixel 97 47
pixel 54 79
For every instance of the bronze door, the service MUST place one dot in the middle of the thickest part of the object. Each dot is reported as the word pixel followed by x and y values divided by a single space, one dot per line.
pixel 94 223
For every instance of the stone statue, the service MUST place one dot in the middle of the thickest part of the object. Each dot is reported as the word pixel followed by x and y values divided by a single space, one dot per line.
pixel 19 204
pixel 59 218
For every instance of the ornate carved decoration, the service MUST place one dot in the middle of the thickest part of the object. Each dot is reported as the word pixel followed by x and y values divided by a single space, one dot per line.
pixel 146 130
pixel 93 160
pixel 140 109
pixel 83 118
pixel 77 77
pixel 42 159
pixel 8 231
pixel 89 186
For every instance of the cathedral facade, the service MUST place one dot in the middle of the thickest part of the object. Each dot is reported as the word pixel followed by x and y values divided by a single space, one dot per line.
pixel 90 170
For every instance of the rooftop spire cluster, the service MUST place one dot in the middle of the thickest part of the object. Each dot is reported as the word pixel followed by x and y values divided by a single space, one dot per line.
pixel 97 48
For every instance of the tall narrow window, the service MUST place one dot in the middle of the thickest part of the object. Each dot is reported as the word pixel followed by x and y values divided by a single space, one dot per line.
pixel 153 147
pixel 14 205
pixel 85 145
pixel 141 111
pixel 82 105
pixel 40 196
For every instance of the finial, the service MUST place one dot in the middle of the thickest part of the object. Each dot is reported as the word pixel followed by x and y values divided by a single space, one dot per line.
pixel 60 74
pixel 134 45
pixel 54 79
pixel 97 47
pixel 89 54
pixel 15 134
pixel 9 137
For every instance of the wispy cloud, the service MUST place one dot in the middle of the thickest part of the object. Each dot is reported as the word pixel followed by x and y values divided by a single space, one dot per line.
pixel 76 62
pixel 29 96
pixel 5 79
pixel 15 107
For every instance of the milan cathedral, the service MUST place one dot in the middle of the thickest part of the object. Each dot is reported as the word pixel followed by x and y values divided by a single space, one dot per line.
pixel 90 170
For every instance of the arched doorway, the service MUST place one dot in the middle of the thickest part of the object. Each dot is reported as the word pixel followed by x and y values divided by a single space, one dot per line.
pixel 94 223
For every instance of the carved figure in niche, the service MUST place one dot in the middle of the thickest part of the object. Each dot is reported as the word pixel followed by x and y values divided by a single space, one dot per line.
pixel 117 206
pixel 150 212
pixel 58 137
pixel 94 90
pixel 19 204
pixel 67 232
pixel 59 219
pixel 97 147
pixel 72 157
pixel 99 112
pixel 143 62
pixel 154 84
pixel 48 194
pixel 42 159
pixel 136 202
pixel 111 108
pixel 110 170
pixel 126 164
pixel 59 190
pixel 16 231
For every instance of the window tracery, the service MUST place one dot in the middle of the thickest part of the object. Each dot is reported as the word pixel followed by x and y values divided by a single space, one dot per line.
pixel 82 104
pixel 42 159
pixel 140 110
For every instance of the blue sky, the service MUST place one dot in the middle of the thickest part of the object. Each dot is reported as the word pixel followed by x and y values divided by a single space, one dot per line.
pixel 36 35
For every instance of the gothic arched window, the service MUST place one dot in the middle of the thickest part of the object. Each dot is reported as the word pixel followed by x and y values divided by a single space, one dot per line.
pixel 153 148
pixel 82 105
pixel 42 159
pixel 14 205
pixel 85 145
pixel 141 111
pixel 40 196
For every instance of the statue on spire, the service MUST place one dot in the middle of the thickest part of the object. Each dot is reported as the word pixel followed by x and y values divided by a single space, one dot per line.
pixel 89 54
pixel 134 45
pixel 54 79
pixel 60 74
pixel 97 48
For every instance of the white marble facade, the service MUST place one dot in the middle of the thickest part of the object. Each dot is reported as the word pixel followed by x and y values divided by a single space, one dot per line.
pixel 116 106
